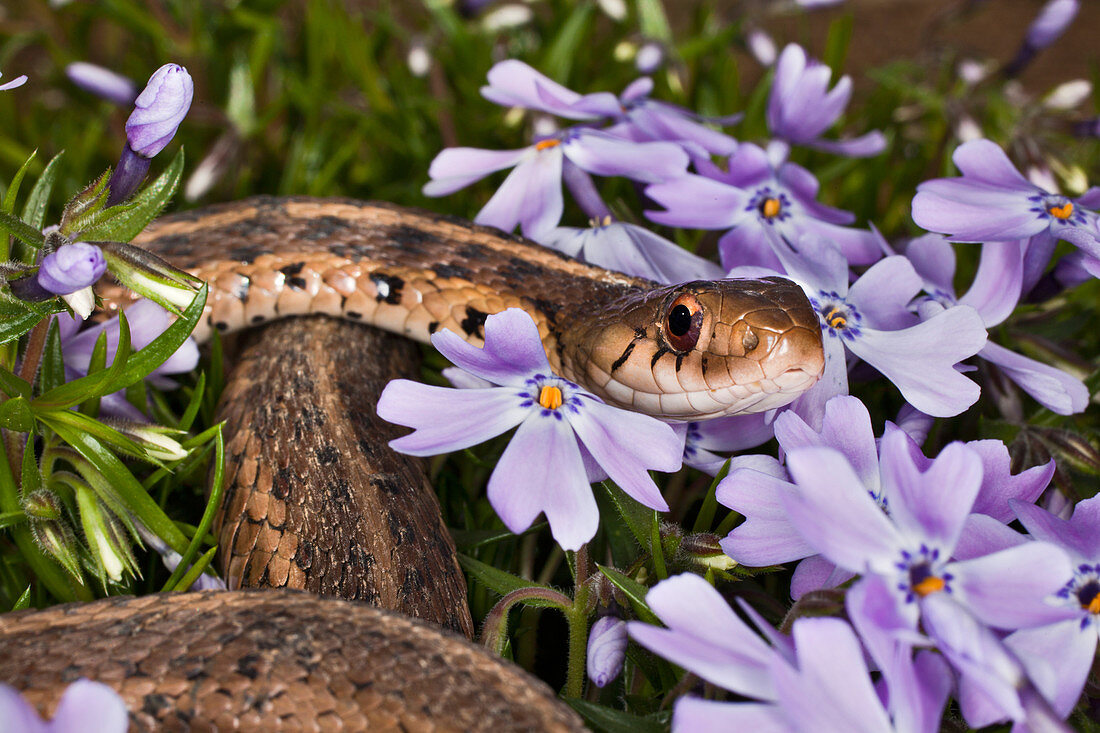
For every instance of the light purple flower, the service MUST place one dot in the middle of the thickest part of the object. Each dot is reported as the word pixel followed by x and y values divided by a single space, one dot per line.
pixel 159 110
pixel 607 642
pixel 871 319
pixel 708 443
pixel 531 194
pixel 760 206
pixel 565 437
pixel 637 117
pixel 1051 22
pixel 102 82
pixel 802 107
pixel 994 294
pixel 71 267
pixel 992 202
pixel 634 250
pixel 14 83
pixel 85 707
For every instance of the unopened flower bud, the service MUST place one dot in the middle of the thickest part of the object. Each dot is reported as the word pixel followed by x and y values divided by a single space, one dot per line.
pixel 155 439
pixel 71 267
pixel 106 537
pixel 1051 22
pixel 761 46
pixel 606 649
pixel 704 549
pixel 159 110
pixel 649 58
pixel 102 82
pixel 55 538
pixel 42 504
pixel 148 275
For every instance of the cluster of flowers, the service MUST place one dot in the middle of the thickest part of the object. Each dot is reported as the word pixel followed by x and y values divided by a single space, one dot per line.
pixel 935 566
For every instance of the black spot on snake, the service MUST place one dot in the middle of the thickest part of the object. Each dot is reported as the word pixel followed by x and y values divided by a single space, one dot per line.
pixel 257 319
pixel 639 332
pixel 703 366
pixel 679 361
pixel 153 703
pixel 457 271
pixel 356 315
pixel 324 227
pixel 222 326
pixel 622 359
pixel 327 455
pixel 297 283
pixel 340 490
pixel 388 287
pixel 292 270
pixel 474 322
pixel 433 326
pixel 246 666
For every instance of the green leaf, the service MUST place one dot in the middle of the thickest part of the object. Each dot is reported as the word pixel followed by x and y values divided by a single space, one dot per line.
pixel 836 44
pixel 16 414
pixel 17 318
pixel 95 384
pixel 10 519
pixel 103 433
pixel 653 21
pixel 14 385
pixel 142 363
pixel 13 188
pixel 609 720
pixel 34 211
pixel 52 372
pixel 194 404
pixel 133 496
pixel 215 500
pixel 24 601
pixel 710 504
pixel 634 590
pixel 31 475
pixel 637 516
pixel 196 570
pixel 123 223
pixel 562 51
pixel 86 207
pixel 22 231
pixel 499 581
pixel 656 548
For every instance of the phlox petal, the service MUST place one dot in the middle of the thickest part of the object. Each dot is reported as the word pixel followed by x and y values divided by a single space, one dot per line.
pixel 447 419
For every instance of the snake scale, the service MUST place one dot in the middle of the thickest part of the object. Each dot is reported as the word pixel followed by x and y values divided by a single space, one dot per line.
pixel 316 501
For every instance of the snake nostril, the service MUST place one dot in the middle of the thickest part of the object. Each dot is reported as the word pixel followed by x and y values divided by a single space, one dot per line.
pixel 749 341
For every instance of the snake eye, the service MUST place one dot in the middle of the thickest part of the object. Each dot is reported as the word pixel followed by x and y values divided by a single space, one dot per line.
pixel 683 322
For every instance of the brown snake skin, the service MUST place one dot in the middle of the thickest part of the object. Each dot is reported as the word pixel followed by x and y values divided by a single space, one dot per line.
pixel 315 499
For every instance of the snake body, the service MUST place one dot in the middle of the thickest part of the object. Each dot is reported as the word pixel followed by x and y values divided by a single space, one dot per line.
pixel 316 501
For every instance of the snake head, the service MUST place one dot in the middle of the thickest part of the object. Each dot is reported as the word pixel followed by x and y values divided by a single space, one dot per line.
pixel 702 349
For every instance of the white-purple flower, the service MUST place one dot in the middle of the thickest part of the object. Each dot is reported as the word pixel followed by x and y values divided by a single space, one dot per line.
pixel 994 294
pixel 102 82
pixel 85 707
pixel 71 267
pixel 993 202
pixel 531 194
pixel 159 110
pixel 14 83
pixel 760 205
pixel 802 107
pixel 565 437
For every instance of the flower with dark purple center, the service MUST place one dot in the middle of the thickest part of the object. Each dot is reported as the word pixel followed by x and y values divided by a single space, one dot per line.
pixel 71 267
pixel 992 202
pixel 565 437
pixel 839 319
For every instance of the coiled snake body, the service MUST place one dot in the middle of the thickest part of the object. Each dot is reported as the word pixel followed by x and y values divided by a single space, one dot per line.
pixel 316 501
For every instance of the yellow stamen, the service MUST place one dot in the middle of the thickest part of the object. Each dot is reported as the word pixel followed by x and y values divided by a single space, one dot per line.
pixel 550 397
pixel 835 318
pixel 1094 604
pixel 929 585
pixel 544 144
pixel 1061 212
pixel 770 208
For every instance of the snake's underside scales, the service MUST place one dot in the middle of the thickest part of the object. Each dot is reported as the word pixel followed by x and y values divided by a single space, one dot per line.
pixel 316 500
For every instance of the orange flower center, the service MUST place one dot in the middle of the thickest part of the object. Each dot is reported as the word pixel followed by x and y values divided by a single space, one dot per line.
pixel 550 397
pixel 1094 604
pixel 1061 212
pixel 770 208
pixel 551 143
pixel 929 585
pixel 835 318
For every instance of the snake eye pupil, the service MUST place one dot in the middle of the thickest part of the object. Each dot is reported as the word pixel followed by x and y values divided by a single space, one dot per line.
pixel 679 320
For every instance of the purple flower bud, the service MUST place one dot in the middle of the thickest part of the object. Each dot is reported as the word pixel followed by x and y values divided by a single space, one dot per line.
pixel 131 171
pixel 71 267
pixel 16 82
pixel 1051 22
pixel 159 110
pixel 102 82
pixel 606 649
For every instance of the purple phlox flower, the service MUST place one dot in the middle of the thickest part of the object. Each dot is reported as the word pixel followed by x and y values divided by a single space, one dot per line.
pixel 872 320
pixel 16 82
pixel 71 267
pixel 85 707
pixel 531 194
pixel 607 642
pixel 914 422
pixel 102 82
pixel 159 110
pixel 171 559
pixel 992 201
pixel 1058 657
pixel 634 250
pixel 637 117
pixel 706 637
pixel 994 294
pixel 565 437
pixel 760 205
pixel 147 320
pixel 708 443
pixel 802 107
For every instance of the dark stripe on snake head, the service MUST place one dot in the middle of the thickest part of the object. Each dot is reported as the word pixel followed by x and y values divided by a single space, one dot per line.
pixel 622 359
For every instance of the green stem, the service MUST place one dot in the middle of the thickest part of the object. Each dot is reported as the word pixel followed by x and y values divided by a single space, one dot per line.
pixel 495 628
pixel 577 616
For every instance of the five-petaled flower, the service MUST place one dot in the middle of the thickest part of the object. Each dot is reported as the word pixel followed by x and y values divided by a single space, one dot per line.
pixel 566 438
